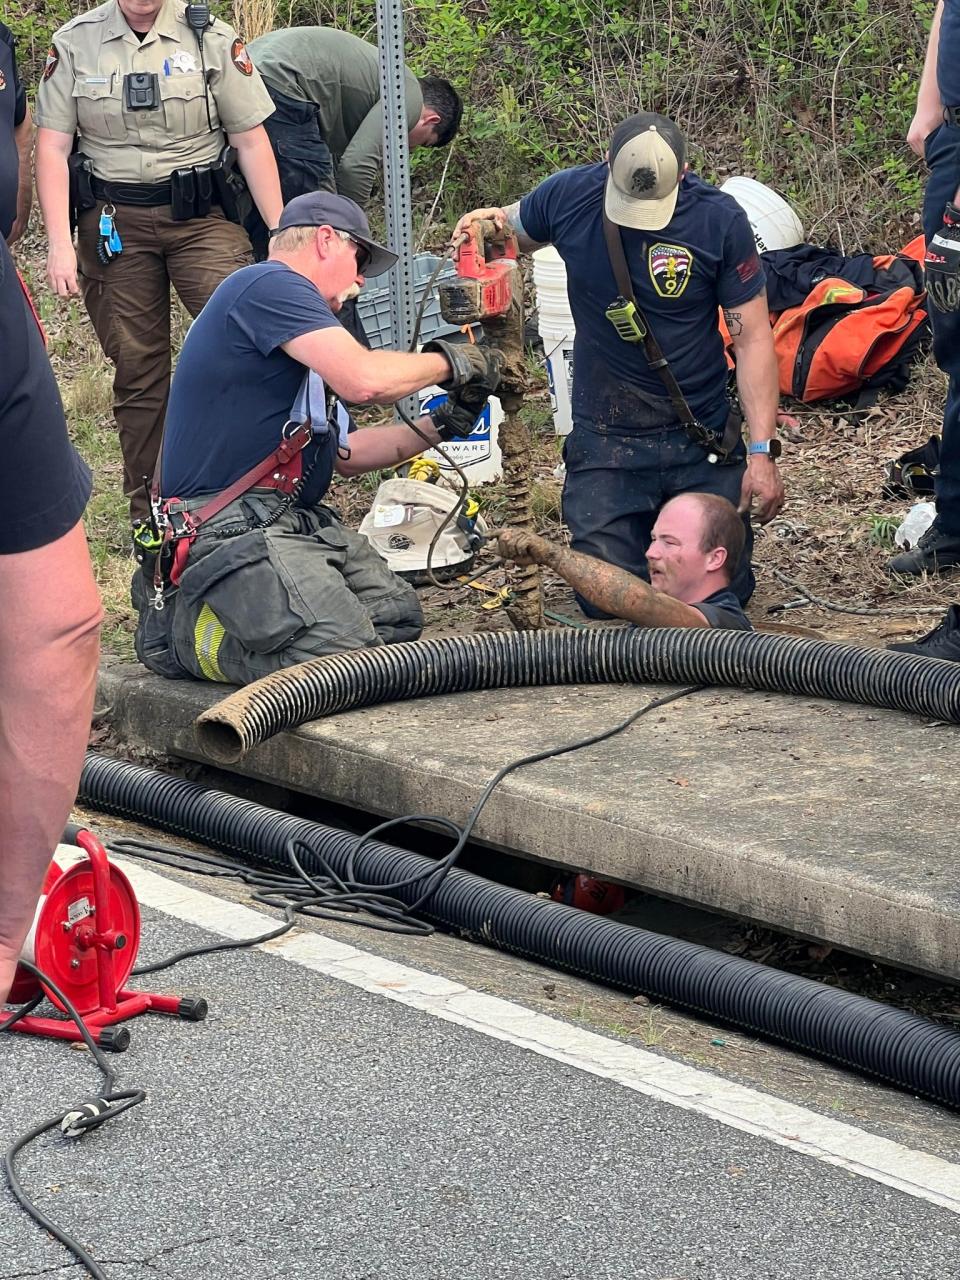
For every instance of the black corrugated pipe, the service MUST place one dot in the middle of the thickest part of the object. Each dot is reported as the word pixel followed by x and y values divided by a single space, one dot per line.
pixel 899 1048
pixel 563 655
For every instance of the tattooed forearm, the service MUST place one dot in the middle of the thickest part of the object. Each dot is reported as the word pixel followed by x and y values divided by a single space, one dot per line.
pixel 734 320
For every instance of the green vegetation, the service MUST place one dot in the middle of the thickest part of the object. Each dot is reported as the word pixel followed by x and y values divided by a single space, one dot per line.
pixel 814 97
pixel 880 531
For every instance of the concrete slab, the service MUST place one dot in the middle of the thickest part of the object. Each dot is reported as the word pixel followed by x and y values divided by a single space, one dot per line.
pixel 829 821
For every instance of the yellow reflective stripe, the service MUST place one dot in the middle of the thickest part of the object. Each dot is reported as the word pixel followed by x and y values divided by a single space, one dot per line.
pixel 208 635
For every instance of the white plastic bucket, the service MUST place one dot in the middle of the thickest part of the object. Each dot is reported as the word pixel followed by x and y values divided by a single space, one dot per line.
pixel 560 382
pixel 479 453
pixel 775 224
pixel 557 332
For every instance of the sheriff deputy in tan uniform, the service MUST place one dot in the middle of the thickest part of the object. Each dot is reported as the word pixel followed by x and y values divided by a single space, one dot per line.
pixel 154 98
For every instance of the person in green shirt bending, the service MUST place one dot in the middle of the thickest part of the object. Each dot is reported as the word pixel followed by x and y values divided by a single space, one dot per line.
pixel 327 130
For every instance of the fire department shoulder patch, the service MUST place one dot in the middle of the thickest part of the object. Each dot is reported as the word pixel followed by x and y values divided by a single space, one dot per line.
pixel 3 81
pixel 670 266
pixel 240 58
pixel 50 66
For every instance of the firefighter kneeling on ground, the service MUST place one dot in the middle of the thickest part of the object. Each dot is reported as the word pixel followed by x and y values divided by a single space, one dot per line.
pixel 254 572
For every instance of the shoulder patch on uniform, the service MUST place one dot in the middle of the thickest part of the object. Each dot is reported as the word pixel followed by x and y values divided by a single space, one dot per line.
pixel 3 81
pixel 53 59
pixel 670 266
pixel 240 58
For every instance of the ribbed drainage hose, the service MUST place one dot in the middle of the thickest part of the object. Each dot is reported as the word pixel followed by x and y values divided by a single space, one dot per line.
pixel 900 1048
pixel 603 655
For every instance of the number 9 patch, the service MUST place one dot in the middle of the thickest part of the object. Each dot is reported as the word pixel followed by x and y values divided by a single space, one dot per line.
pixel 670 266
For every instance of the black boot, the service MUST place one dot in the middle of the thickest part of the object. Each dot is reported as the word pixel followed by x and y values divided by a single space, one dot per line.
pixel 942 642
pixel 934 552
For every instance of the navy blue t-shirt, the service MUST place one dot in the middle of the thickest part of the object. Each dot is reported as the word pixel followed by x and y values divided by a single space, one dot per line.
pixel 13 108
pixel 44 484
pixel 705 258
pixel 724 610
pixel 948 54
pixel 234 385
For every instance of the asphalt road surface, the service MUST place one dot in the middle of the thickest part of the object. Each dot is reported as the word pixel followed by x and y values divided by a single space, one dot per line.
pixel 361 1106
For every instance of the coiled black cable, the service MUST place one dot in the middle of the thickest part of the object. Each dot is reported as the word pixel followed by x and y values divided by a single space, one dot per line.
pixel 504 659
pixel 898 1047
pixel 110 1103
pixel 327 894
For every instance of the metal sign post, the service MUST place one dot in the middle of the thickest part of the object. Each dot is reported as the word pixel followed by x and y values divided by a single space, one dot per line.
pixel 396 176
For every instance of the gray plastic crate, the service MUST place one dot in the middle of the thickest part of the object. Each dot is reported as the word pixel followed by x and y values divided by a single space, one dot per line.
pixel 373 305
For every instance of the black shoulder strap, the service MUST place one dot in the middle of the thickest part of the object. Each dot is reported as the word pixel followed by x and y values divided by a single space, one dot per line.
pixel 651 347
pixel 654 352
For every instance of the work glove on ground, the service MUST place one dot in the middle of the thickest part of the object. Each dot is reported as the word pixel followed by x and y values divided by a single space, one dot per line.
pixel 469 363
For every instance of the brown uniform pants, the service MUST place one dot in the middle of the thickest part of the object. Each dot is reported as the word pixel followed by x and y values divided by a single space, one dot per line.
pixel 128 301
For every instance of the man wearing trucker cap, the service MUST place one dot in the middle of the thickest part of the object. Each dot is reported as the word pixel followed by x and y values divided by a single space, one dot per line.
pixel 689 250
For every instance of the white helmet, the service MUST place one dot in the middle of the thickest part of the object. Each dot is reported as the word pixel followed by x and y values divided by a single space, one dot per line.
pixel 774 223
pixel 402 523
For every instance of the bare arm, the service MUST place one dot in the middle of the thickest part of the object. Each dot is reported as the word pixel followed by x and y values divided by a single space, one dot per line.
pixel 759 388
pixel 929 112
pixel 53 192
pixel 258 165
pixel 617 592
pixel 375 447
pixel 508 217
pixel 362 376
pixel 23 136
pixel 48 652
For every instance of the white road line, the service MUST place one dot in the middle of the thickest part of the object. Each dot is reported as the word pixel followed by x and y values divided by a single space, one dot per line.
pixel 914 1172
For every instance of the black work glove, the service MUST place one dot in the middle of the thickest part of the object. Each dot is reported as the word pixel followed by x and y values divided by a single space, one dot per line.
pixel 468 363
pixel 942 263
pixel 456 416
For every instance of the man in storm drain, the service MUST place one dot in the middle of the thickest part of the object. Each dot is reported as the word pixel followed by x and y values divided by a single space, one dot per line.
pixel 650 249
pixel 695 544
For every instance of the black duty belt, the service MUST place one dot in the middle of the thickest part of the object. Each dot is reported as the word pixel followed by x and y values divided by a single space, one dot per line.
pixel 951 115
pixel 148 194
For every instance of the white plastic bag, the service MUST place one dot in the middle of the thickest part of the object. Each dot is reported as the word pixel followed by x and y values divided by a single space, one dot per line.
pixel 918 520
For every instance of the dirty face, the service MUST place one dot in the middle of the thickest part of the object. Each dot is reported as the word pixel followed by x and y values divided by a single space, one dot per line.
pixel 677 562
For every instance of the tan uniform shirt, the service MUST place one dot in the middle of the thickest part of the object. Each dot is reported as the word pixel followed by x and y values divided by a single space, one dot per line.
pixel 82 91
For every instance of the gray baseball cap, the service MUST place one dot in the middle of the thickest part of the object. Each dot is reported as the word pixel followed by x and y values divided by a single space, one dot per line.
pixel 647 157
pixel 324 209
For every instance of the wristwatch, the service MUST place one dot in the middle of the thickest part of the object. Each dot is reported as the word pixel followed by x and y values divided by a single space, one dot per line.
pixel 772 448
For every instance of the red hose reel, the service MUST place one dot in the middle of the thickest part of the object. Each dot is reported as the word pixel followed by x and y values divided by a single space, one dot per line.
pixel 85 938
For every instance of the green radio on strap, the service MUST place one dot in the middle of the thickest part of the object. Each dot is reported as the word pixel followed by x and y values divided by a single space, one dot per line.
pixel 623 315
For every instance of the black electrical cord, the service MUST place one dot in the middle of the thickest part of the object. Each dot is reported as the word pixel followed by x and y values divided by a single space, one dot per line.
pixel 454 513
pixel 445 257
pixel 434 878
pixel 110 1103
pixel 22 1011
pixel 332 896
